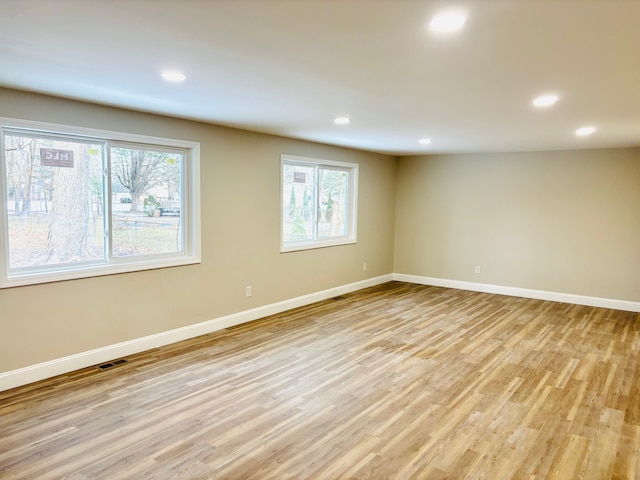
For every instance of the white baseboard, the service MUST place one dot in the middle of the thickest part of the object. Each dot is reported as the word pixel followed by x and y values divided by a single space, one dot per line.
pixel 521 292
pixel 40 371
pixel 33 373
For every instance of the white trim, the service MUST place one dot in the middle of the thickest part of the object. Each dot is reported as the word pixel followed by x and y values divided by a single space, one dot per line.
pixel 352 236
pixel 310 245
pixel 316 161
pixel 522 292
pixel 83 270
pixel 33 373
pixel 92 133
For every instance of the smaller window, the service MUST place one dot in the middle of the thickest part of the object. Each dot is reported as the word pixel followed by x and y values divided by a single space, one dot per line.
pixel 318 207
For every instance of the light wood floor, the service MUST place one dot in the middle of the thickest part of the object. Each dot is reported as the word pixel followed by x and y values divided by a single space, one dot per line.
pixel 395 381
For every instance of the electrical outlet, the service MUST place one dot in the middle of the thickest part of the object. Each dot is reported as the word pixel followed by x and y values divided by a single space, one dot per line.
pixel 248 291
pixel 477 268
pixel 364 267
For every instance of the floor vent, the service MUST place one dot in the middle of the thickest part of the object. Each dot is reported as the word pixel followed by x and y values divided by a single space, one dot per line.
pixel 104 366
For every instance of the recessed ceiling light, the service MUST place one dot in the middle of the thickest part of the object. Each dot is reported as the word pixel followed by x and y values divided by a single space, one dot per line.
pixel 424 141
pixel 545 100
pixel 584 131
pixel 448 22
pixel 173 76
pixel 342 120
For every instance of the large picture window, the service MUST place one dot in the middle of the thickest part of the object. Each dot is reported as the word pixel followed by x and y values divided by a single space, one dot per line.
pixel 318 203
pixel 82 203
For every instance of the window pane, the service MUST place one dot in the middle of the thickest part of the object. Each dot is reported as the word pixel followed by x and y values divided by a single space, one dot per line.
pixel 54 201
pixel 298 203
pixel 146 193
pixel 318 203
pixel 334 198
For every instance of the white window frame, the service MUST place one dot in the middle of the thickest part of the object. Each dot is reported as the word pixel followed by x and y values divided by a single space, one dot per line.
pixel 352 211
pixel 190 198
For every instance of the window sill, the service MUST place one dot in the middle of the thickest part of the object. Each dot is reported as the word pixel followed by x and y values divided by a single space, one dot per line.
pixel 37 277
pixel 295 247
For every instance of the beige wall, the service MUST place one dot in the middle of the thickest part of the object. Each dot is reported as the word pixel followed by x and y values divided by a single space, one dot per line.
pixel 566 221
pixel 240 242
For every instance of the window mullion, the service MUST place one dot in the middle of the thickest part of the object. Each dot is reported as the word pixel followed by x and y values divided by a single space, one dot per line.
pixel 316 199
pixel 4 220
pixel 106 179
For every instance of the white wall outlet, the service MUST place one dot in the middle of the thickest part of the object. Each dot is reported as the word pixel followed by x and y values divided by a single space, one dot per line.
pixel 364 267
pixel 477 268
pixel 248 291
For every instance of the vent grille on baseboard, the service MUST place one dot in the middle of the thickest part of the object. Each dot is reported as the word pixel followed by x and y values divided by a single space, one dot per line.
pixel 104 366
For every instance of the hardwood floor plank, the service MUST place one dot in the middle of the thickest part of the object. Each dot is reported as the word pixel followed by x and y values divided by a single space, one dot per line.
pixel 397 381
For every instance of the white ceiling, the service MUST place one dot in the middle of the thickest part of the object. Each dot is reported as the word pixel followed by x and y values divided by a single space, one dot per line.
pixel 288 67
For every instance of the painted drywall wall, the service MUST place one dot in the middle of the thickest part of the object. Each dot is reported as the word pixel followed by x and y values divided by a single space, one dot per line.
pixel 564 221
pixel 240 182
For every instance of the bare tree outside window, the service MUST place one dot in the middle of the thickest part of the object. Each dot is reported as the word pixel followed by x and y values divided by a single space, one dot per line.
pixel 74 203
pixel 52 212
pixel 153 180
pixel 139 171
pixel 71 231
pixel 20 158
pixel 334 185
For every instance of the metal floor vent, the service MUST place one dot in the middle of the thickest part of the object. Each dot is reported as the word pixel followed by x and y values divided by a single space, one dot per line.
pixel 104 366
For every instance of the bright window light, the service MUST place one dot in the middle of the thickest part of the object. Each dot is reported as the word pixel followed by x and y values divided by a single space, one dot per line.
pixel 77 203
pixel 318 203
